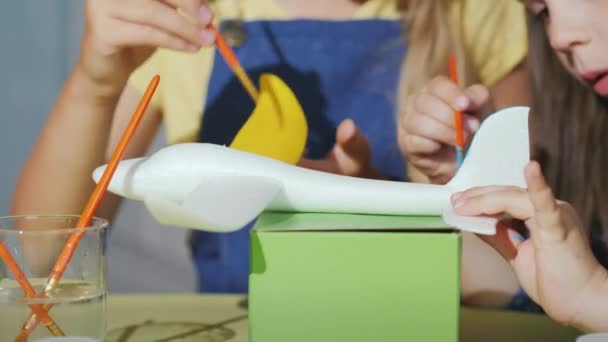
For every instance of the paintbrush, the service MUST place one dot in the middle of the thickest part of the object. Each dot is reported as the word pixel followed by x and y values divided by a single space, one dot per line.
pixel 94 201
pixel 458 126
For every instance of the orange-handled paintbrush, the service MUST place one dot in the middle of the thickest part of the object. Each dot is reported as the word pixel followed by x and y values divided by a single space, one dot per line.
pixel 29 291
pixel 458 126
pixel 233 62
pixel 95 199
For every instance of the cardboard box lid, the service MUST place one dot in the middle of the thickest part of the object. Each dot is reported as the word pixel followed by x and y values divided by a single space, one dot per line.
pixel 285 221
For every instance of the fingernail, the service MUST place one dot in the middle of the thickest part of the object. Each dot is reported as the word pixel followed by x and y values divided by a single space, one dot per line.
pixel 473 125
pixel 207 37
pixel 456 196
pixel 458 203
pixel 204 14
pixel 461 102
pixel 516 236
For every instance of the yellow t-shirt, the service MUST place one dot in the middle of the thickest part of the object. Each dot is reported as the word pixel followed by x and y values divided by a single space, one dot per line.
pixel 495 33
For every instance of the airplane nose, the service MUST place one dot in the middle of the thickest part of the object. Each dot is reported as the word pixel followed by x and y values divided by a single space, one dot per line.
pixel 122 182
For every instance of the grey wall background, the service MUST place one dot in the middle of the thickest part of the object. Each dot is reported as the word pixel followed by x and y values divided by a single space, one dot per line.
pixel 39 43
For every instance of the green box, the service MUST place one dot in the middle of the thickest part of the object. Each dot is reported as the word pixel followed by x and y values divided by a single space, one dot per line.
pixel 351 278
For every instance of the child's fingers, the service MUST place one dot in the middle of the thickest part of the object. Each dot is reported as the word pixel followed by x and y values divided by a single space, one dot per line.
pixel 163 17
pixel 453 97
pixel 205 16
pixel 540 192
pixel 352 141
pixel 430 128
pixel 346 132
pixel 480 190
pixel 415 144
pixel 195 11
pixel 547 211
pixel 448 92
pixel 139 35
pixel 478 96
pixel 512 201
pixel 190 8
pixel 471 125
pixel 431 105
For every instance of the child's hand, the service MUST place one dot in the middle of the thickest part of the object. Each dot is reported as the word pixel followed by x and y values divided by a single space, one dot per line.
pixel 426 129
pixel 350 156
pixel 556 266
pixel 121 34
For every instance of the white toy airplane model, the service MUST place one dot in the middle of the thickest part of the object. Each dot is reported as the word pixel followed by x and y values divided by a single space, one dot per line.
pixel 216 188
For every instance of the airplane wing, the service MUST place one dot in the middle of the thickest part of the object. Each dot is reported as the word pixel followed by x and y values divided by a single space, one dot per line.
pixel 221 203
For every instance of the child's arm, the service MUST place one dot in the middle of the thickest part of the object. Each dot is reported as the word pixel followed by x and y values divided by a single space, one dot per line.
pixel 56 178
pixel 555 266
pixel 118 37
pixel 511 90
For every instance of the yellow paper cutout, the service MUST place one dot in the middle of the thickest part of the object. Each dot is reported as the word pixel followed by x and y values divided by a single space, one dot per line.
pixel 277 128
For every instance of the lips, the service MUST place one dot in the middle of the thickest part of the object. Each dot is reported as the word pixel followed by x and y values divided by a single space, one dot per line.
pixel 601 84
pixel 598 80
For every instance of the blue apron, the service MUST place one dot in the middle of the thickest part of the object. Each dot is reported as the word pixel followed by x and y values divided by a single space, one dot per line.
pixel 338 70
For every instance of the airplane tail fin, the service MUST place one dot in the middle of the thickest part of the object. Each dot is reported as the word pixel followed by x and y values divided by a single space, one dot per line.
pixel 497 156
pixel 499 152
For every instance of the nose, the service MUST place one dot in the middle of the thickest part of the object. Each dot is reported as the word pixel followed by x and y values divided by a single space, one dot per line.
pixel 123 180
pixel 567 28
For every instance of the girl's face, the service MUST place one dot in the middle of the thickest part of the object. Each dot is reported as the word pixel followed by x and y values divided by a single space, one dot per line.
pixel 578 32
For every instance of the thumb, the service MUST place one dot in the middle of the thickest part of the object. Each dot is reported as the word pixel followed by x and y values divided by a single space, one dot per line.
pixel 546 212
pixel 352 142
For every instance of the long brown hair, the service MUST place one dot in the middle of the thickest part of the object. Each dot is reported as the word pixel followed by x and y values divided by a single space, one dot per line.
pixel 569 128
pixel 432 36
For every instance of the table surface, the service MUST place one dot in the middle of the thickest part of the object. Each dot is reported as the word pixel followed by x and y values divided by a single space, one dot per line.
pixel 217 318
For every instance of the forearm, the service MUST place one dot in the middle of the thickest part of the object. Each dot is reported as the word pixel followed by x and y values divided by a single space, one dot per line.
pixel 512 90
pixel 56 178
pixel 487 279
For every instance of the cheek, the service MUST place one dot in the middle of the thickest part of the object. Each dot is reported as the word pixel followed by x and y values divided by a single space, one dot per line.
pixel 602 8
pixel 601 42
pixel 566 61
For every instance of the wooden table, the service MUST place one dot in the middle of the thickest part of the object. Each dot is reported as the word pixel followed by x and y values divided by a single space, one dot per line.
pixel 218 318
